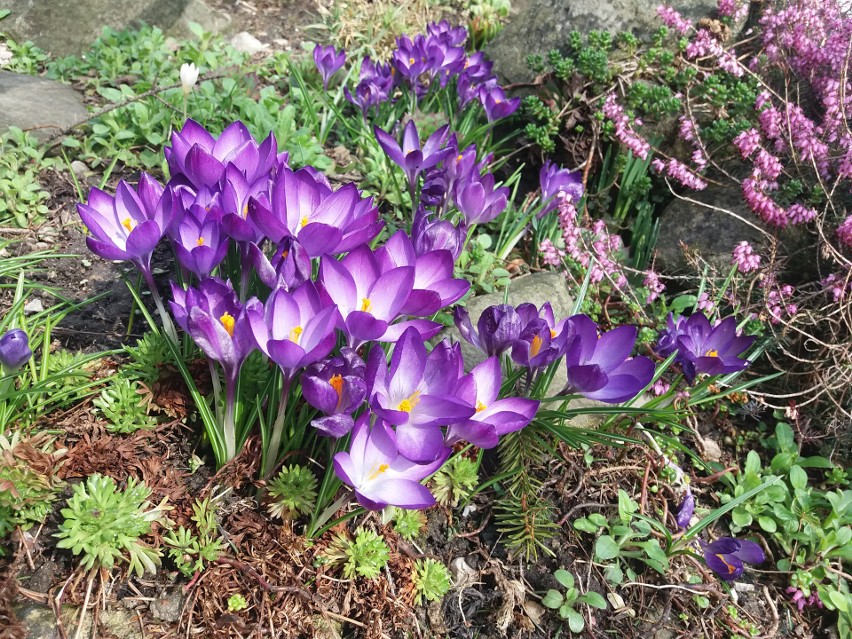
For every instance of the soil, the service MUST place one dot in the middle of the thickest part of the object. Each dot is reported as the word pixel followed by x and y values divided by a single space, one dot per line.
pixel 279 23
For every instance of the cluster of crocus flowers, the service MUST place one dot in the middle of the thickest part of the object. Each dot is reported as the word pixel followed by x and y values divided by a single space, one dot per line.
pixel 302 279
pixel 703 348
pixel 420 64
pixel 598 364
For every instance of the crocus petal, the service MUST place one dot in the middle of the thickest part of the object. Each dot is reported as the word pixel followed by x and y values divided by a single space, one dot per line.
pixel 422 444
pixel 402 493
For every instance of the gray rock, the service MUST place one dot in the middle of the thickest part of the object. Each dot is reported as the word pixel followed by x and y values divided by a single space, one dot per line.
pixel 66 27
pixel 40 622
pixel 33 306
pixel 79 168
pixel 168 606
pixel 42 107
pixel 706 229
pixel 247 43
pixel 543 25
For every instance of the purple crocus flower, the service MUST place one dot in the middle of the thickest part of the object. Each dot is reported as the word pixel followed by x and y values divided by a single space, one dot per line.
pixel 289 267
pixel 128 226
pixel 14 350
pixel 336 387
pixel 379 474
pixel 711 350
pixel 374 86
pixel 599 367
pixel 410 58
pixel 479 201
pixel 726 556
pixel 436 234
pixel 667 339
pixel 498 328
pixel 496 105
pixel 411 157
pixel 454 36
pixel 686 510
pixel 434 286
pixel 235 198
pixel 554 180
pixel 328 61
pixel 538 345
pixel 369 298
pixel 198 241
pixel 294 329
pixel 198 159
pixel 325 222
pixel 493 417
pixel 478 68
pixel 417 393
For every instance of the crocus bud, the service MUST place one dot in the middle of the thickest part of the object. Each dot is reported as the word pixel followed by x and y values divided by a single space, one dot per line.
pixel 14 350
pixel 188 76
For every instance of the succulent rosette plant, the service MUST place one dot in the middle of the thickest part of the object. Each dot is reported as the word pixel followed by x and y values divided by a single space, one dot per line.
pixel 417 393
pixel 599 366
pixel 379 474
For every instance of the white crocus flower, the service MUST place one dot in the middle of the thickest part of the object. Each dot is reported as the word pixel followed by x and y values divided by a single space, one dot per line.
pixel 188 76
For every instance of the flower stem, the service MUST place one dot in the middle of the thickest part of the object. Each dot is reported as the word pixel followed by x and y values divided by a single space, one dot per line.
pixel 168 325
pixel 229 429
pixel 277 430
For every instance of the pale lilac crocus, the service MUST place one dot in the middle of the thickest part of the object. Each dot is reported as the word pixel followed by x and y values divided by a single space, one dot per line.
pixel 417 393
pixel 434 286
pixel 329 61
pixel 379 474
pixel 411 157
pixel 325 222
pixel 493 417
pixel 293 330
pixel 428 234
pixel 370 299
pixel 599 367
pixel 215 319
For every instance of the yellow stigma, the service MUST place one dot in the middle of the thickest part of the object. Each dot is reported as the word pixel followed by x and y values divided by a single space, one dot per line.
pixel 712 353
pixel 127 223
pixel 296 334
pixel 199 241
pixel 480 407
pixel 303 222
pixel 459 157
pixel 245 210
pixel 284 255
pixel 366 304
pixel 382 468
pixel 228 322
pixel 409 402
pixel 466 64
pixel 497 100
pixel 552 333
pixel 731 569
pixel 410 60
pixel 535 347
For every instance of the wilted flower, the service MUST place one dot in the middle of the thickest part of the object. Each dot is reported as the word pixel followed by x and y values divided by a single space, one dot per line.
pixel 497 328
pixel 726 556
pixel 667 339
pixel 188 76
pixel 128 226
pixel 377 472
pixel 712 350
pixel 493 417
pixel 554 180
pixel 14 350
pixel 417 394
pixel 328 61
pixel 411 157
pixel 686 509
pixel 600 367
pixel 336 387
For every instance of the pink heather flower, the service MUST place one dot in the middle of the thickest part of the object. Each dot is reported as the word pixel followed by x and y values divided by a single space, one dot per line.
pixel 687 128
pixel 777 306
pixel 673 19
pixel 767 166
pixel 704 44
pixel 699 160
pixel 844 232
pixel 761 204
pixel 660 387
pixel 623 130
pixel 727 7
pixel 654 285
pixel 747 142
pixel 550 255
pixel 705 303
pixel 659 166
pixel 771 121
pixel 745 258
pixel 800 214
pixel 679 171
pixel 838 284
